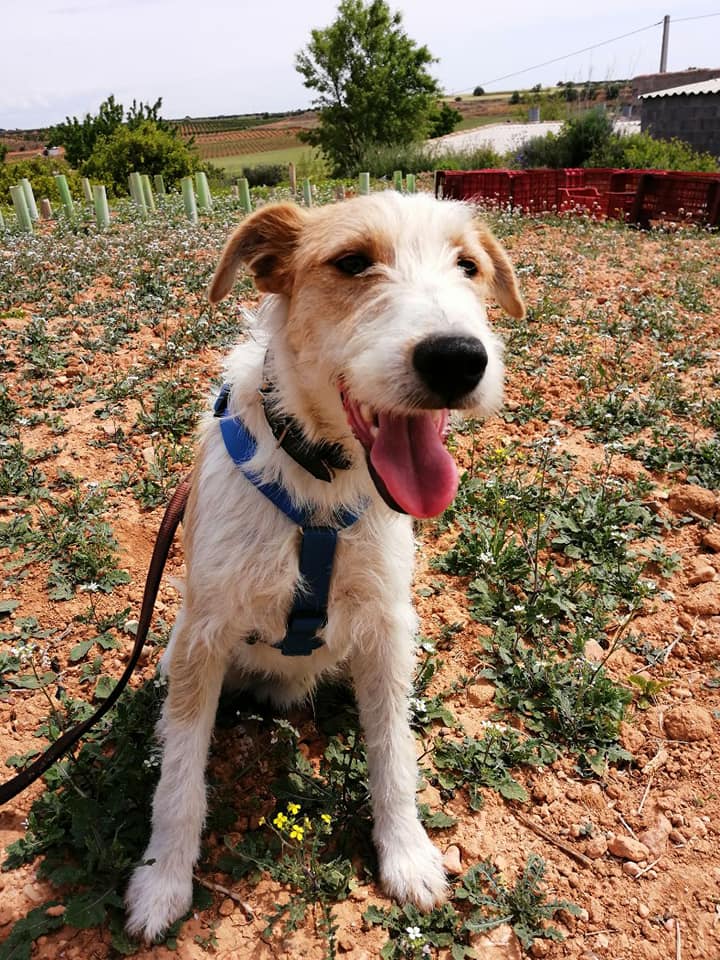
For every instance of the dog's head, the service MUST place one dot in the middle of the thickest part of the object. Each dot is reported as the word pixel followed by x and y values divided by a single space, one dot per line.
pixel 386 308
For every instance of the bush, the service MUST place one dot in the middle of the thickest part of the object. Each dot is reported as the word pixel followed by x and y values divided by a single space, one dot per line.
pixel 578 140
pixel 642 152
pixel 3 152
pixel 478 91
pixel 443 120
pixel 265 175
pixel 145 148
pixel 418 158
pixel 40 171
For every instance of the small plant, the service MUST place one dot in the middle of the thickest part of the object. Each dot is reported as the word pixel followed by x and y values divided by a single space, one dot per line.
pixel 524 905
pixel 487 762
pixel 481 901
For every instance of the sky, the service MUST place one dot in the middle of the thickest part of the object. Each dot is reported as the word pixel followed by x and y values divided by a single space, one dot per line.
pixel 62 58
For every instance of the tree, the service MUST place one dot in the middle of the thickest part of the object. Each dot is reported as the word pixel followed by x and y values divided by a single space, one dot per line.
pixel 79 137
pixel 443 120
pixel 143 147
pixel 371 81
pixel 3 152
pixel 478 91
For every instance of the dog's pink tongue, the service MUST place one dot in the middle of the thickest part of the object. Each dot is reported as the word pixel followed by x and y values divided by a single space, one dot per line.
pixel 411 459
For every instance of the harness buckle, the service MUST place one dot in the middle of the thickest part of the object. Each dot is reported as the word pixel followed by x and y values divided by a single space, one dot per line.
pixel 301 637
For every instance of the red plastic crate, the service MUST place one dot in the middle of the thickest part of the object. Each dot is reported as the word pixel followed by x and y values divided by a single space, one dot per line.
pixel 599 177
pixel 679 199
pixel 587 199
pixel 492 186
pixel 572 177
pixel 536 191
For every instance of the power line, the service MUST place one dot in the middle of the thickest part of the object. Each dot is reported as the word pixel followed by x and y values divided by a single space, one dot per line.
pixel 567 56
pixel 702 16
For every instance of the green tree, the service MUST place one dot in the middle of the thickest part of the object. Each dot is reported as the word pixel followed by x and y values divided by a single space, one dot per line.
pixel 478 91
pixel 79 137
pixel 371 82
pixel 443 120
pixel 3 151
pixel 143 147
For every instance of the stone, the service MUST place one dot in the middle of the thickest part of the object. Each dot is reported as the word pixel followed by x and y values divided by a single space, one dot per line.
pixel 711 539
pixel 593 651
pixel 627 848
pixel 631 869
pixel 700 572
pixel 56 911
pixel 656 836
pixel 631 738
pixel 500 943
pixel 226 908
pixel 704 601
pixel 451 861
pixel 690 498
pixel 480 694
pixel 596 847
pixel 689 722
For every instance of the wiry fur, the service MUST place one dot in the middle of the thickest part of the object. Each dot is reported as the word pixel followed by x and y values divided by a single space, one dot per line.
pixel 323 328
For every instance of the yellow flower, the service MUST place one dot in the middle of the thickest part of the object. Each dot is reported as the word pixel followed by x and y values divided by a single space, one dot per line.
pixel 325 817
pixel 293 808
pixel 261 822
pixel 296 832
pixel 280 821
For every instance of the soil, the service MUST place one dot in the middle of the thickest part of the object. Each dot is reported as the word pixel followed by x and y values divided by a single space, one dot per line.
pixel 647 877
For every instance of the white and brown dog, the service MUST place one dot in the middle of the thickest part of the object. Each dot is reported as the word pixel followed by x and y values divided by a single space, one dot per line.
pixel 375 328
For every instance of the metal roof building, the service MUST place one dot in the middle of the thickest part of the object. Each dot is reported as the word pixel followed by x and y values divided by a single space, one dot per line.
pixel 690 113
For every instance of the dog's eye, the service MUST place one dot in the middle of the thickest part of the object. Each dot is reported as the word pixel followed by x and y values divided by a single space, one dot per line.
pixel 353 264
pixel 469 267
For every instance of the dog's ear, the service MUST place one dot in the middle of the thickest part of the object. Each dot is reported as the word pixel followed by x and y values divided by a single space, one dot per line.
pixel 503 283
pixel 264 242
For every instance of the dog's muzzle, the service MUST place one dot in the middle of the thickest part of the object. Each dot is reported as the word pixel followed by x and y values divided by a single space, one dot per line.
pixel 450 367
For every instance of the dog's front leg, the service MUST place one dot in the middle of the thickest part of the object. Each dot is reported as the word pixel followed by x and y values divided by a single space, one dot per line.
pixel 161 891
pixel 411 867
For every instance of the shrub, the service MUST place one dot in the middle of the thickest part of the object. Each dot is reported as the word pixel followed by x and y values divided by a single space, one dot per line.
pixel 515 98
pixel 40 171
pixel 641 151
pixel 478 91
pixel 578 140
pixel 3 152
pixel 145 148
pixel 444 120
pixel 265 174
pixel 417 158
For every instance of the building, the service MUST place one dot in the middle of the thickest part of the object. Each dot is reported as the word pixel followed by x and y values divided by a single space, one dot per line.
pixel 690 112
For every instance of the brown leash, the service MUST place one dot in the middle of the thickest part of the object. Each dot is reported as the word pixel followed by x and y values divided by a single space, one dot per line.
pixel 169 524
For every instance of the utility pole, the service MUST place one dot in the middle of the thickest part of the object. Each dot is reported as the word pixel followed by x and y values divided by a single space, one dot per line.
pixel 664 48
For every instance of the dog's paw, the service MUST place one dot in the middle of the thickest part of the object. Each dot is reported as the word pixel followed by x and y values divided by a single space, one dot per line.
pixel 154 899
pixel 412 872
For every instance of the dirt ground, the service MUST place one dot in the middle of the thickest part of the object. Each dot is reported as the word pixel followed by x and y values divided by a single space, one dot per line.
pixel 647 877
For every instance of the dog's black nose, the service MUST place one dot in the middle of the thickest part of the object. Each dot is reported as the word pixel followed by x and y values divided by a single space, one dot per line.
pixel 450 366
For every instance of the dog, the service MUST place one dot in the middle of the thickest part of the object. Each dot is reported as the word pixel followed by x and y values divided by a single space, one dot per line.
pixel 373 329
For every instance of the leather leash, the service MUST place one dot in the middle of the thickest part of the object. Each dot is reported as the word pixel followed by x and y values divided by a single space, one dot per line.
pixel 169 524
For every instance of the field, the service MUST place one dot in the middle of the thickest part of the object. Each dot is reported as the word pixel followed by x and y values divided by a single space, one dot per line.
pixel 566 703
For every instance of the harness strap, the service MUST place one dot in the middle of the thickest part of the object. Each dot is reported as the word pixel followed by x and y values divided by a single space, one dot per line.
pixel 317 546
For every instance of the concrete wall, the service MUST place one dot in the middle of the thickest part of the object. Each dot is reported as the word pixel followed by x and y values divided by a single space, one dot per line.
pixel 650 82
pixel 694 118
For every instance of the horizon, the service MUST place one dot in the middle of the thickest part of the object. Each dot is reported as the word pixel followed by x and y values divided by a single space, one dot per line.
pixel 84 50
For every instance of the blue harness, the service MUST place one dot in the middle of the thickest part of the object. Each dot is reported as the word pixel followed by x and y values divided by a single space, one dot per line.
pixel 317 547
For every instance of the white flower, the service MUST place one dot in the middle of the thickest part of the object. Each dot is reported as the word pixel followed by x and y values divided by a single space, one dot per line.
pixel 414 933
